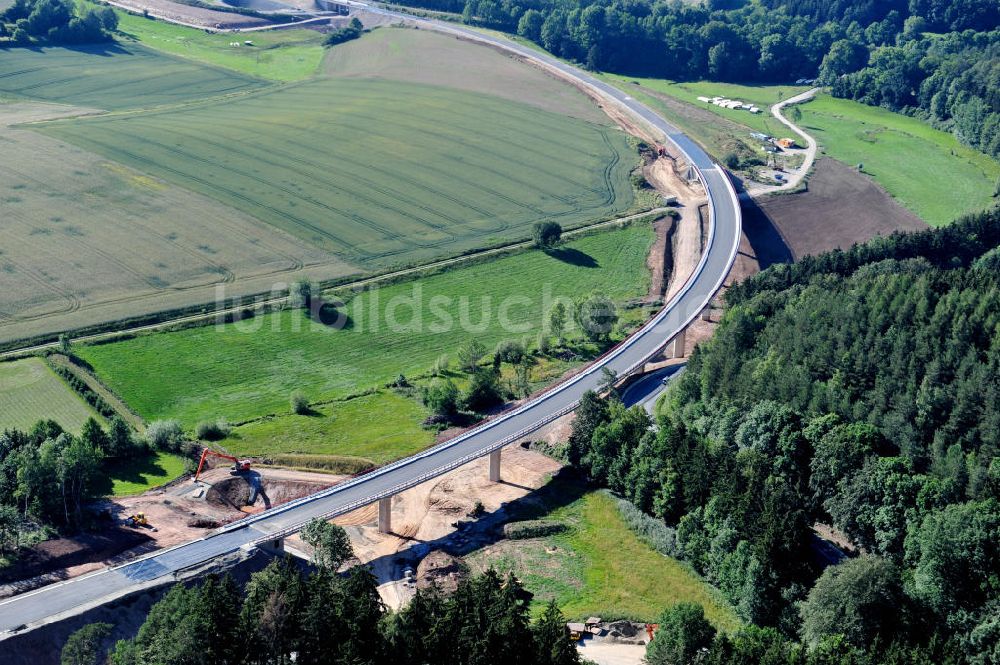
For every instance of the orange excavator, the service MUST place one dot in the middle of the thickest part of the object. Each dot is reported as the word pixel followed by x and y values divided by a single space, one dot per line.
pixel 240 466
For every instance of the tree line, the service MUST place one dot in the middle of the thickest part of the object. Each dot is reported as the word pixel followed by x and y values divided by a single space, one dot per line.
pixel 949 80
pixel 860 389
pixel 286 614
pixel 55 22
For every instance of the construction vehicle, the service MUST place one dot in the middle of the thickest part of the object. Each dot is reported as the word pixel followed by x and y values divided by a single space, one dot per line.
pixel 137 520
pixel 239 466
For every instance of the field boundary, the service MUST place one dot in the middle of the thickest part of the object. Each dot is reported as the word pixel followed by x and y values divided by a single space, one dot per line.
pixel 197 315
pixel 58 361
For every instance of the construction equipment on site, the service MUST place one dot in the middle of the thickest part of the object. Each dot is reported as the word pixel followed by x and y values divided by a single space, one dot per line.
pixel 137 520
pixel 239 466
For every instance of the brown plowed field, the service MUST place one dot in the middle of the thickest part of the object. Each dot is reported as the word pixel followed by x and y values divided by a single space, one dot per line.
pixel 840 208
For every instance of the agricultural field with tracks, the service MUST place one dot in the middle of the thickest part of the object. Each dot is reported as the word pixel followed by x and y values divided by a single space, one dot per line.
pixel 113 76
pixel 139 244
pixel 380 173
pixel 30 391
pixel 285 351
pixel 344 173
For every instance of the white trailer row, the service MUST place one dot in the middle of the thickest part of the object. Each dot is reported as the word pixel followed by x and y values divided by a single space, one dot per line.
pixel 733 104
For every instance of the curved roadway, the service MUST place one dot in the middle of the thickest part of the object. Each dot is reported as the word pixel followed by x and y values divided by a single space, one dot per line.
pixel 50 602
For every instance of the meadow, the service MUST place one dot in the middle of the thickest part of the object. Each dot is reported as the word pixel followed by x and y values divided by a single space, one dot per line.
pixel 113 76
pixel 357 428
pixel 381 173
pixel 926 170
pixel 598 567
pixel 277 55
pixel 30 391
pixel 245 370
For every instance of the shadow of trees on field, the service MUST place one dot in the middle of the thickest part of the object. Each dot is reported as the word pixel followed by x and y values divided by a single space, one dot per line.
pixel 131 471
pixel 573 256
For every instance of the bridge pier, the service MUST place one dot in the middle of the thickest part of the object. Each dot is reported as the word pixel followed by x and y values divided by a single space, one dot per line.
pixel 677 346
pixel 385 515
pixel 495 466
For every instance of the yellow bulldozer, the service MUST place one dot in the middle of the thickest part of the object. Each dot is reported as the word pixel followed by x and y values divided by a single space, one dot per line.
pixel 137 520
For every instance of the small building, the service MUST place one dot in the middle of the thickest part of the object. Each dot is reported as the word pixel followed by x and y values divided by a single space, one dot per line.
pixel 704 99
pixel 786 143
pixel 592 621
pixel 576 630
pixel 760 136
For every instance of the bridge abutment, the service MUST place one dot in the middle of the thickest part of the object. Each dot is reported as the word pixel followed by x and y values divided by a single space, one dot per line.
pixel 275 546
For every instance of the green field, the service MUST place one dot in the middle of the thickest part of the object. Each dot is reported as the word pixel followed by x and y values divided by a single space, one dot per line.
pixel 30 391
pixel 381 173
pixel 926 170
pixel 245 370
pixel 137 476
pixel 599 566
pixel 763 96
pixel 112 76
pixel 356 427
pixel 279 55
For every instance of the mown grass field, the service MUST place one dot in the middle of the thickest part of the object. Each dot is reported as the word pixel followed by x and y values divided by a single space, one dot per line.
pixel 359 427
pixel 278 55
pixel 926 170
pixel 599 567
pixel 381 173
pixel 136 476
pixel 113 76
pixel 248 369
pixel 30 391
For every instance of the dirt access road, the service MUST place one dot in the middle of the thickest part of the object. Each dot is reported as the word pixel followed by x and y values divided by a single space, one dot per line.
pixel 794 176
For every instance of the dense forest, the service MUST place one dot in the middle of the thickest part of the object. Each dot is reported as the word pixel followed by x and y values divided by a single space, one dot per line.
pixel 285 615
pixel 48 475
pixel 55 22
pixel 936 59
pixel 858 389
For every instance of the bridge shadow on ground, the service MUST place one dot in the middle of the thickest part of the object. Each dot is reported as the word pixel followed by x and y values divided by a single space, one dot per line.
pixel 766 242
pixel 472 534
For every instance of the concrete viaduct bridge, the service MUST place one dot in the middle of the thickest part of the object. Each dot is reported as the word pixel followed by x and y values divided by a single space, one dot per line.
pixel 268 529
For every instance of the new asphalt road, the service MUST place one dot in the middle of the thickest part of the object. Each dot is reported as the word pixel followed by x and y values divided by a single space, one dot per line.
pixel 63 598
